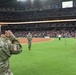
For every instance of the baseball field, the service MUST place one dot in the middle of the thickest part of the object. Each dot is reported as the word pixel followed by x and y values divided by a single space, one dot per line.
pixel 46 57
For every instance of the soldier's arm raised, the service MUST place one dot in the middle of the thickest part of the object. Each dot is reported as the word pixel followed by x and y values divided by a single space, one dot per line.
pixel 15 46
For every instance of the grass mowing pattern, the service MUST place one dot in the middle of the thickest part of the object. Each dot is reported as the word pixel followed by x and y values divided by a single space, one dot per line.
pixel 46 58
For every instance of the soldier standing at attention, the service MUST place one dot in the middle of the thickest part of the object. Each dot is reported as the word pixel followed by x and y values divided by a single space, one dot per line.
pixel 8 45
pixel 29 38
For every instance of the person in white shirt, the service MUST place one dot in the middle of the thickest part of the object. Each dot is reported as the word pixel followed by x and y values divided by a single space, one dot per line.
pixel 59 36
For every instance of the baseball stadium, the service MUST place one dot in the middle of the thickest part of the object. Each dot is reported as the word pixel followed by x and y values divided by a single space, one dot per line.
pixel 52 24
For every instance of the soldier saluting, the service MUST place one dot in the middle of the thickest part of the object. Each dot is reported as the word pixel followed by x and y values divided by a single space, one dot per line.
pixel 8 45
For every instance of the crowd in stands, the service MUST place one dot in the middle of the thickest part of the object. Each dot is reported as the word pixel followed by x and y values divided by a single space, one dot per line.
pixel 66 13
pixel 43 29
pixel 40 25
pixel 43 34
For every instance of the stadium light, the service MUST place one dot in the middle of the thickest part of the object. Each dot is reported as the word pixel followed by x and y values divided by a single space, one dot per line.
pixel 43 0
pixel 21 0
pixel 32 1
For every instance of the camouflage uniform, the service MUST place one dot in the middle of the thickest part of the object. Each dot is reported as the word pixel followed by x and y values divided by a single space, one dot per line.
pixel 8 46
pixel 29 38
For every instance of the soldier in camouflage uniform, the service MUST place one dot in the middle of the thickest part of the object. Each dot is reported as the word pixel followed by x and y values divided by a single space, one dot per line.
pixel 29 38
pixel 8 45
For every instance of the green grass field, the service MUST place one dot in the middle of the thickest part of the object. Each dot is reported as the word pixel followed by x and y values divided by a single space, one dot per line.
pixel 46 58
